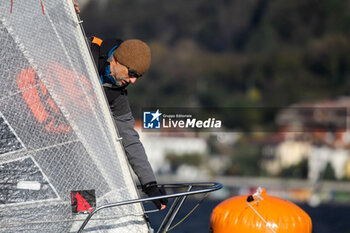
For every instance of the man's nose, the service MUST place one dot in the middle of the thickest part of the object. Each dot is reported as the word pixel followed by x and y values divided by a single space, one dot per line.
pixel 133 80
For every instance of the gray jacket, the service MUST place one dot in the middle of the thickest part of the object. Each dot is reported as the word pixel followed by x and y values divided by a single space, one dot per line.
pixel 134 149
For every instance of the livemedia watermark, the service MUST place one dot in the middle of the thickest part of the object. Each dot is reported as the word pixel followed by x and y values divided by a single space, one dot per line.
pixel 259 119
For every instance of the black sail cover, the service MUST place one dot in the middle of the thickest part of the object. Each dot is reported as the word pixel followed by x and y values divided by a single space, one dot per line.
pixel 59 153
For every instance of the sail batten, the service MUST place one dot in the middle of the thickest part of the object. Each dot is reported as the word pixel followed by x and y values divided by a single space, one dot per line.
pixel 59 153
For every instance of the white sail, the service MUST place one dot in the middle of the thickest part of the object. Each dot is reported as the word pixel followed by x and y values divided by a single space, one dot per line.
pixel 56 132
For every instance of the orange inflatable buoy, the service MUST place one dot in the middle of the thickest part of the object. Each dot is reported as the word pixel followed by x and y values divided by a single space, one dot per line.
pixel 259 213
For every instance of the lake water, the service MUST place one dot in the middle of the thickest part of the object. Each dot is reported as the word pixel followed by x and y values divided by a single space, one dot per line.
pixel 326 218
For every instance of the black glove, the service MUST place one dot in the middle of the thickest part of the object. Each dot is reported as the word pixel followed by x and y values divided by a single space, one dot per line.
pixel 152 190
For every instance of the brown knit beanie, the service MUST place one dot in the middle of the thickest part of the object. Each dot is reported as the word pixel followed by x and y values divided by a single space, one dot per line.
pixel 134 54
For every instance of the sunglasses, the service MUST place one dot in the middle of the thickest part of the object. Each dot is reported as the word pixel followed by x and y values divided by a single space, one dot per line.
pixel 131 72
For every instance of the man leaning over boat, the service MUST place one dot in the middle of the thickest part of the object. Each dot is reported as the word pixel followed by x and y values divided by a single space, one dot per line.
pixel 121 63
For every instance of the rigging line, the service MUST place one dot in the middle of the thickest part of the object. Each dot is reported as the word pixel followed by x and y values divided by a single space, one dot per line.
pixel 189 213
pixel 257 213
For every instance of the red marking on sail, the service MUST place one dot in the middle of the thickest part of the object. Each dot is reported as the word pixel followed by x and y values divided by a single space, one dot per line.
pixel 82 204
pixel 43 89
pixel 53 127
pixel 50 102
pixel 26 83
pixel 42 6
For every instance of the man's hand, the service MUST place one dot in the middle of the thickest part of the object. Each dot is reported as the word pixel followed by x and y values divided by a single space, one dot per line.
pixel 152 190
pixel 76 7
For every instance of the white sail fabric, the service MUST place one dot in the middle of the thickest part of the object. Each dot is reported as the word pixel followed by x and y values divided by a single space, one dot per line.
pixel 56 132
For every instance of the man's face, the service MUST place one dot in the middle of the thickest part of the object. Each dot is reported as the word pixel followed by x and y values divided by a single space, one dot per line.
pixel 120 73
